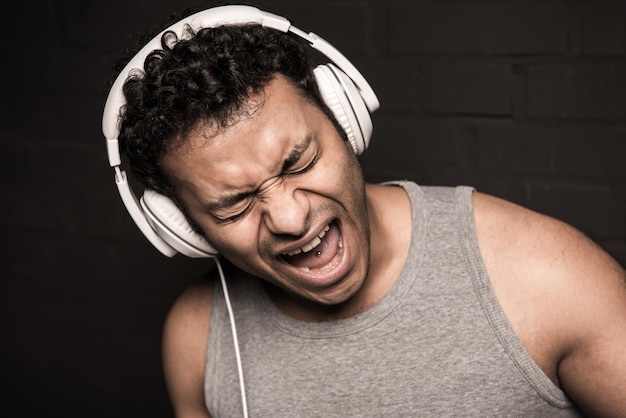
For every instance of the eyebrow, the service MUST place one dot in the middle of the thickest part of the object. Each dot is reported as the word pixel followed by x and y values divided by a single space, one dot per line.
pixel 230 200
pixel 227 201
pixel 297 153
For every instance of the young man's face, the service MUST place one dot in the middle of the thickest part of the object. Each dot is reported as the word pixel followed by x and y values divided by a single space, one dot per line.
pixel 280 194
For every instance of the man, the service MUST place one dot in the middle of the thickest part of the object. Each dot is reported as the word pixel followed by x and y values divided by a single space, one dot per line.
pixel 355 299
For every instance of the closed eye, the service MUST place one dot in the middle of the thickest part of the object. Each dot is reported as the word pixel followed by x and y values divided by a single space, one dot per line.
pixel 305 168
pixel 233 208
pixel 252 199
pixel 237 213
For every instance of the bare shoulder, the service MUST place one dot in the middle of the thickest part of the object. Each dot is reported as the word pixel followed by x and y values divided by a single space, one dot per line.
pixel 565 297
pixel 185 336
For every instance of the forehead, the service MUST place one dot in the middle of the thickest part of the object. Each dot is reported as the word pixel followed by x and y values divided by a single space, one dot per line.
pixel 236 157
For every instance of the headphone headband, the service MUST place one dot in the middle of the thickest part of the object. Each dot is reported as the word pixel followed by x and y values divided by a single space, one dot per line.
pixel 217 16
pixel 226 15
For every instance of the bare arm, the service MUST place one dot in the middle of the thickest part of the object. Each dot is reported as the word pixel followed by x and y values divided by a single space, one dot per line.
pixel 565 298
pixel 593 371
pixel 184 344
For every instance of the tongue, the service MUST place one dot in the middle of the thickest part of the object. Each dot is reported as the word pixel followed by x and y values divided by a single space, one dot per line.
pixel 327 250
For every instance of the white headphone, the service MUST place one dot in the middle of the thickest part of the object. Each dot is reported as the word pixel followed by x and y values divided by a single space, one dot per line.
pixel 344 90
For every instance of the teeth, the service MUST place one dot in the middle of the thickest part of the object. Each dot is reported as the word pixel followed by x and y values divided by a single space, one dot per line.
pixel 311 244
pixel 323 232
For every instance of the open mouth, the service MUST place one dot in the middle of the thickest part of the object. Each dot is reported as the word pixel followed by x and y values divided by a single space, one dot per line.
pixel 318 252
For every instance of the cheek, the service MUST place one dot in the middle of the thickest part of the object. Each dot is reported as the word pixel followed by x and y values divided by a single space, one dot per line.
pixel 341 170
pixel 235 241
pixel 347 179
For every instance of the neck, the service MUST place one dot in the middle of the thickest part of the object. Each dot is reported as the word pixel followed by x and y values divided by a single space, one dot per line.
pixel 389 211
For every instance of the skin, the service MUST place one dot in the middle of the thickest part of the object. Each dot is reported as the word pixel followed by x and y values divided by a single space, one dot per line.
pixel 291 175
pixel 564 296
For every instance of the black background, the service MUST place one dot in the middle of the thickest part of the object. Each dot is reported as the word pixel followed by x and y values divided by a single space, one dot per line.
pixel 522 99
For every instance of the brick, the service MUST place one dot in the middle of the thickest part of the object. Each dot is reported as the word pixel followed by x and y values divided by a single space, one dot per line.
pixel 345 26
pixel 478 27
pixel 62 188
pixel 401 85
pixel 617 93
pixel 65 116
pixel 110 27
pixel 577 152
pixel 604 28
pixel 569 92
pixel 617 249
pixel 406 147
pixel 466 88
pixel 594 209
pixel 325 18
pixel 513 189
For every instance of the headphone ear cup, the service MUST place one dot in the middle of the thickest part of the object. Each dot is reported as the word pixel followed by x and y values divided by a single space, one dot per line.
pixel 344 100
pixel 170 223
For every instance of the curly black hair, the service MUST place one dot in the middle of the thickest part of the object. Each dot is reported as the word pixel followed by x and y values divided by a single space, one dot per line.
pixel 208 75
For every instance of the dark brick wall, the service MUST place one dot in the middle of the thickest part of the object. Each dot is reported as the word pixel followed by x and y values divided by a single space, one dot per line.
pixel 522 99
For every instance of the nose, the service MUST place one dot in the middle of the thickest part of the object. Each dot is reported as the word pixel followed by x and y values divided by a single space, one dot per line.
pixel 285 208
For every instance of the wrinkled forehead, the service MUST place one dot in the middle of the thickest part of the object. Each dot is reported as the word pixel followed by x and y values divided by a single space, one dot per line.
pixel 273 123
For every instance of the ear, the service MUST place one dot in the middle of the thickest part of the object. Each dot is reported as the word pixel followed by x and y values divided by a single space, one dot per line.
pixel 343 99
pixel 171 224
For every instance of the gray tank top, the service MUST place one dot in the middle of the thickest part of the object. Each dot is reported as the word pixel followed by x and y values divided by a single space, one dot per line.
pixel 437 345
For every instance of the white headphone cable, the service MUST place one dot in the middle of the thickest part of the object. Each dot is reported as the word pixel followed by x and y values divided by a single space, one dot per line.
pixel 233 328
